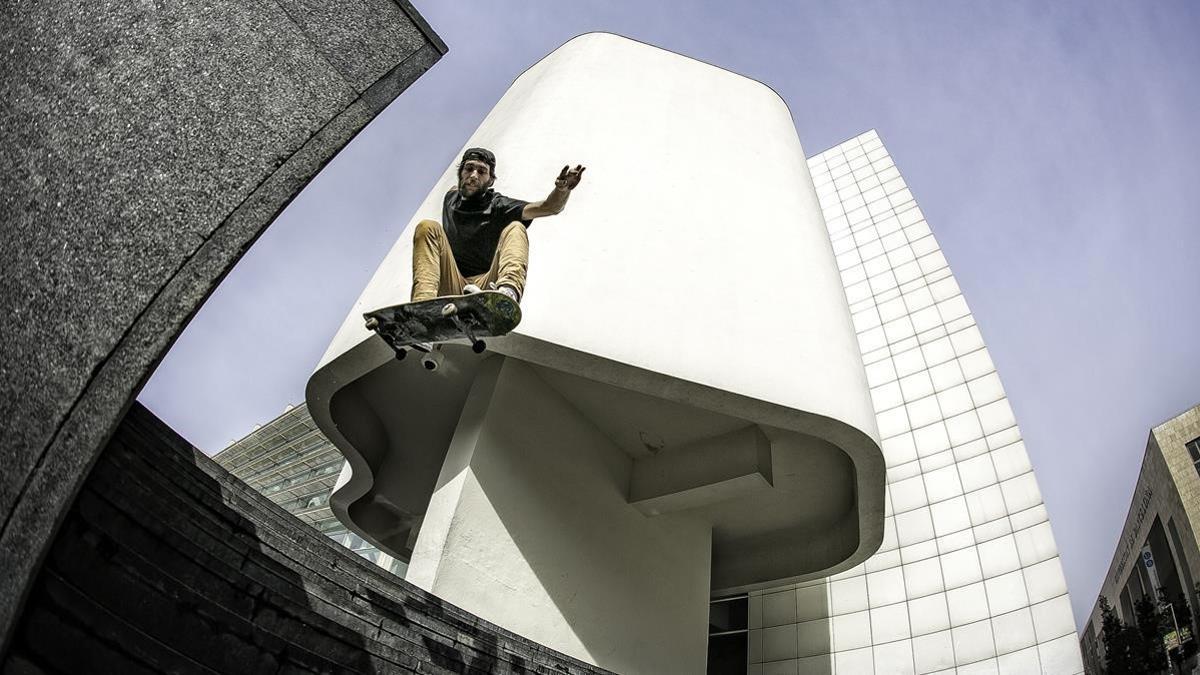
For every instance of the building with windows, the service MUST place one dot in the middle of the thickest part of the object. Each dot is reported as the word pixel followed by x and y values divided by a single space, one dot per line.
pixel 1157 548
pixel 291 462
pixel 828 475
pixel 968 578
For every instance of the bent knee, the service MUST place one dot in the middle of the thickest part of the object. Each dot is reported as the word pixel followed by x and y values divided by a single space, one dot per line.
pixel 426 228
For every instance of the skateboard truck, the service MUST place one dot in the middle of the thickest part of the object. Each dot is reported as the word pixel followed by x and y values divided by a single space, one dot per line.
pixel 450 311
pixel 423 347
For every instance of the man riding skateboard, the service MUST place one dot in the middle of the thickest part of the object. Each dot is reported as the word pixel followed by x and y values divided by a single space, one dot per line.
pixel 481 243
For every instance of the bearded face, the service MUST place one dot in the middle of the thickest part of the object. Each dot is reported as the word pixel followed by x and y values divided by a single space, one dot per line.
pixel 474 177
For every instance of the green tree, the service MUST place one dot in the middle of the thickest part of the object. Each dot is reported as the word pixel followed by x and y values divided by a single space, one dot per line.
pixel 1137 649
pixel 1148 650
pixel 1114 634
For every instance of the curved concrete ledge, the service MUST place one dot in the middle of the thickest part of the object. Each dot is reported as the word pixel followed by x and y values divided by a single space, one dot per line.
pixel 823 478
pixel 424 414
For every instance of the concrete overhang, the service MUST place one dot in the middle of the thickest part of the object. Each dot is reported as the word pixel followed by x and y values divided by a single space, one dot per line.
pixel 789 495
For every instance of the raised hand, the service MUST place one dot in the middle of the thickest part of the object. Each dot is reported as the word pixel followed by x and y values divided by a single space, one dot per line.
pixel 568 178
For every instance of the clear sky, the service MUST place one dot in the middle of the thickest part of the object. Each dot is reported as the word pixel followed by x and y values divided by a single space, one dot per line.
pixel 1052 146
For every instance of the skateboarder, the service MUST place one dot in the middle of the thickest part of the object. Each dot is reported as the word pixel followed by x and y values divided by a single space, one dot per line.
pixel 481 242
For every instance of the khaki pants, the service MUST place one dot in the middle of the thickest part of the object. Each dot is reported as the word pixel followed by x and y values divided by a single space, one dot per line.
pixel 435 273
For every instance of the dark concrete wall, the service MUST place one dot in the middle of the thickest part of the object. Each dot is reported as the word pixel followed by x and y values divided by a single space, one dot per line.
pixel 143 148
pixel 168 563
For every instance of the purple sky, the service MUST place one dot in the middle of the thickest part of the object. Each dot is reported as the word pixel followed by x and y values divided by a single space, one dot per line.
pixel 1052 147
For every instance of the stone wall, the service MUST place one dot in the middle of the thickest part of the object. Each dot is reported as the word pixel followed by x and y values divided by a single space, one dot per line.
pixel 1172 437
pixel 144 147
pixel 1167 491
pixel 168 563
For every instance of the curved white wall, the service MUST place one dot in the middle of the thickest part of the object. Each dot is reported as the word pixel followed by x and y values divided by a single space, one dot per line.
pixel 688 295
pixel 696 235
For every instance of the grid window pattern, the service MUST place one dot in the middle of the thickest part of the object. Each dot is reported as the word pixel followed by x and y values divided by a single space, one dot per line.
pixel 290 461
pixel 968 577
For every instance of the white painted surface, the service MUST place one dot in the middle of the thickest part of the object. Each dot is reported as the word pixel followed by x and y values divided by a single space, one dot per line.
pixel 691 265
pixel 529 528
pixel 695 236
pixel 689 290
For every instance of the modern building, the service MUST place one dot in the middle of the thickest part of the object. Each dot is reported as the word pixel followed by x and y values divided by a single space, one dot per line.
pixel 967 579
pixel 291 462
pixel 1157 548
pixel 744 378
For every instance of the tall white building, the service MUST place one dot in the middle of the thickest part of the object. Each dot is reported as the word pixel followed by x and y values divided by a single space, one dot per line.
pixel 658 432
pixel 968 578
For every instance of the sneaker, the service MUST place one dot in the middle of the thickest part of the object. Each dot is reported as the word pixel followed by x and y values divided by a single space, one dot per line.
pixel 510 292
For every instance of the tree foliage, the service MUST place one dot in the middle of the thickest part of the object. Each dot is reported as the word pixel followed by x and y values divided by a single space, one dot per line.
pixel 1137 649
pixel 1151 626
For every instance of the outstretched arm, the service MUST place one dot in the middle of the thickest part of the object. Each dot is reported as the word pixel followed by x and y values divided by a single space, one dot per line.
pixel 567 179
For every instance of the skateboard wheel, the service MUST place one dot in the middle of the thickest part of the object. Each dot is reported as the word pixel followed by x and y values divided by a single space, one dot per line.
pixel 449 309
pixel 401 353
pixel 372 323
pixel 478 346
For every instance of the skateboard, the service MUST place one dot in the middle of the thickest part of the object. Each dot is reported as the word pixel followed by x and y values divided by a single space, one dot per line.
pixel 424 325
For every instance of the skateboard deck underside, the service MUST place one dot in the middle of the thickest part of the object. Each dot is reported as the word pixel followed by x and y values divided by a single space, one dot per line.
pixel 479 315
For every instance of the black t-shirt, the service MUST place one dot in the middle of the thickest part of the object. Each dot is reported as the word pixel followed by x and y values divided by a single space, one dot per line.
pixel 474 225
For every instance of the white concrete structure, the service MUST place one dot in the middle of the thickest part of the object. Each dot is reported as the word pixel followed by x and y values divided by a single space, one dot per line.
pixel 684 409
pixel 967 579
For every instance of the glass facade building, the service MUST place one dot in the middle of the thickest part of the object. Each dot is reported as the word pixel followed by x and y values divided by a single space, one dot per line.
pixel 968 578
pixel 291 462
